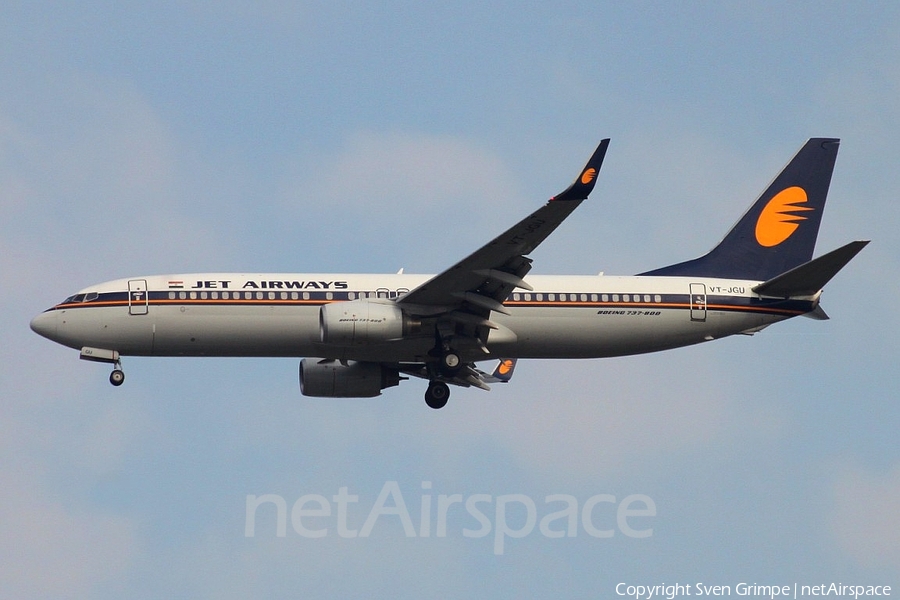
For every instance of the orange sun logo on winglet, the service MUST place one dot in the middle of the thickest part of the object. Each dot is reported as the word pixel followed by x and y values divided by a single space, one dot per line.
pixel 506 366
pixel 588 176
pixel 778 220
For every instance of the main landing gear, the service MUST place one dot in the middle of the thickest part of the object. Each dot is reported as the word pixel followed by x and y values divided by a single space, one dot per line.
pixel 447 366
pixel 437 394
pixel 450 363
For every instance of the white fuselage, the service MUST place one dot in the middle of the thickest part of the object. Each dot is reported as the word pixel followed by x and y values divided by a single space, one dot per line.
pixel 228 314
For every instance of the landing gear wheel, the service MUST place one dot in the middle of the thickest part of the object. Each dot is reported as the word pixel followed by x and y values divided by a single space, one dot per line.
pixel 117 377
pixel 437 394
pixel 450 363
pixel 451 360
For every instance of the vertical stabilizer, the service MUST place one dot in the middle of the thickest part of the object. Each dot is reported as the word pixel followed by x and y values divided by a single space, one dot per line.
pixel 779 231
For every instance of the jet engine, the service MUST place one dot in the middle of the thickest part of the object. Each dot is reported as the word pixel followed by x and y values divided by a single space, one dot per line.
pixel 334 379
pixel 363 322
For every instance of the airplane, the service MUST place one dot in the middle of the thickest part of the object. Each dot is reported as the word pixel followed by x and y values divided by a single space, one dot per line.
pixel 361 334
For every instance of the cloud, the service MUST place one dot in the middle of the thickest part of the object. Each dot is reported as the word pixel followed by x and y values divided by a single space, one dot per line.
pixel 865 518
pixel 220 565
pixel 411 196
pixel 101 183
pixel 585 420
pixel 50 549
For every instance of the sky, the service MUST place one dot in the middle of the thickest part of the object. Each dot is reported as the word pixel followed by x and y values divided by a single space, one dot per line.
pixel 143 138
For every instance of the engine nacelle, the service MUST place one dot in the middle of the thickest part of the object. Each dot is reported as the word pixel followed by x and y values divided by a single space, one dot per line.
pixel 333 379
pixel 363 322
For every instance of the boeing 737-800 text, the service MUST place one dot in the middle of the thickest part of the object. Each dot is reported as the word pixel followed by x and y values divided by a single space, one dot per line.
pixel 367 332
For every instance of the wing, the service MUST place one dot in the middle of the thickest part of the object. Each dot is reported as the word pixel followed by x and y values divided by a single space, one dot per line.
pixel 481 282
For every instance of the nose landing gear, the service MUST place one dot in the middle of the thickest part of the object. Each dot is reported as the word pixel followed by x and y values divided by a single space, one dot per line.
pixel 117 377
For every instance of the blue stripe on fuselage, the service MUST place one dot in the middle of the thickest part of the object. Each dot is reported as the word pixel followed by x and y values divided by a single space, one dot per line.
pixel 772 306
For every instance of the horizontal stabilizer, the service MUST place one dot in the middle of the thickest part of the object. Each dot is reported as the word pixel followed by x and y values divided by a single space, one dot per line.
pixel 817 314
pixel 810 277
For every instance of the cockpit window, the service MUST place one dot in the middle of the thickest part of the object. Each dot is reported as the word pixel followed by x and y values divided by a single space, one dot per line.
pixel 91 296
pixel 74 299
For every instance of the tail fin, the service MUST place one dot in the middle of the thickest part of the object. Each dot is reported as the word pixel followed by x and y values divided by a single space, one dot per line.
pixel 779 231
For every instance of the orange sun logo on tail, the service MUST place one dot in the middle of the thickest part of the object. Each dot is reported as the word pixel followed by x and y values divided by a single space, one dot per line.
pixel 778 220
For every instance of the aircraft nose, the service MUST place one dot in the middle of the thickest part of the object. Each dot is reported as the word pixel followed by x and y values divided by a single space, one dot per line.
pixel 45 324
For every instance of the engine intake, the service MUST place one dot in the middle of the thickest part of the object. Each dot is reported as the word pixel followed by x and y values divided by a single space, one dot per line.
pixel 333 379
pixel 363 322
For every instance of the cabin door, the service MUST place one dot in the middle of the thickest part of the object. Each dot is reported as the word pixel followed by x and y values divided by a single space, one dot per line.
pixel 138 298
pixel 698 302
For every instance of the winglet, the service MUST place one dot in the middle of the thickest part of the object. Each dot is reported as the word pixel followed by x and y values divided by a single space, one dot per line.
pixel 588 177
pixel 503 371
